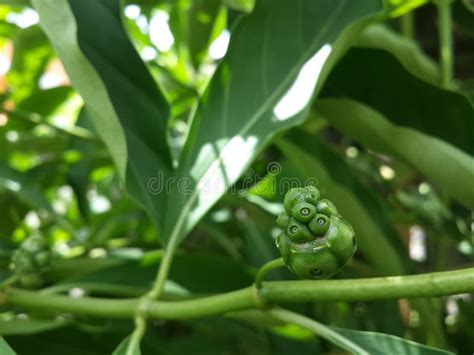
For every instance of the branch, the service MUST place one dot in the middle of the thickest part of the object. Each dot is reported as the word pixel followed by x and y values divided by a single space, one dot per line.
pixel 273 292
pixel 445 41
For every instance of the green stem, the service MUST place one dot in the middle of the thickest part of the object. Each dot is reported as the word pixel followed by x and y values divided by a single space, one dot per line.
pixel 163 271
pixel 273 264
pixel 407 25
pixel 445 41
pixel 137 335
pixel 423 285
pixel 153 294
pixel 318 329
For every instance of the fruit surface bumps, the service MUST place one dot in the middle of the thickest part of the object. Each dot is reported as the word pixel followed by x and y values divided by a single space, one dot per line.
pixel 316 242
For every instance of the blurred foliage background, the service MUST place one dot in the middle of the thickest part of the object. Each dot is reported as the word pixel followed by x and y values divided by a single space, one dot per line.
pixel 58 179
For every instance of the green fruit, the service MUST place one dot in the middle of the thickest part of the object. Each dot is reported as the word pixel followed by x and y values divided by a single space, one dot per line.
pixel 319 225
pixel 309 194
pixel 283 244
pixel 313 194
pixel 317 241
pixel 292 197
pixel 326 207
pixel 311 264
pixel 303 212
pixel 298 232
pixel 283 220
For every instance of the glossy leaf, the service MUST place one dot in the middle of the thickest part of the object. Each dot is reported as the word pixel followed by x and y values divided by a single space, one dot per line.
pixel 407 51
pixel 5 349
pixel 434 158
pixel 376 78
pixel 381 344
pixel 127 109
pixel 250 97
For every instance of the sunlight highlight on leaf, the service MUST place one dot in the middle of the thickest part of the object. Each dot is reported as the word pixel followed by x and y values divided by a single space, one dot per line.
pixel 218 48
pixel 299 94
pixel 160 33
pixel 216 179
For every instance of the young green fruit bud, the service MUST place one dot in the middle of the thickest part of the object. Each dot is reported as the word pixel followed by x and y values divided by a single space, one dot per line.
pixel 317 241
pixel 298 232
pixel 303 212
pixel 319 225
pixel 326 207
pixel 283 220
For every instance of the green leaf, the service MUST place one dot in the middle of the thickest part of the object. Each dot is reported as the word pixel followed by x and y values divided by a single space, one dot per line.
pixel 379 343
pixel 5 348
pixel 407 51
pixel 127 109
pixel 122 349
pixel 70 341
pixel 252 96
pixel 434 158
pixel 44 102
pixel 376 78
pixel 358 204
pixel 30 326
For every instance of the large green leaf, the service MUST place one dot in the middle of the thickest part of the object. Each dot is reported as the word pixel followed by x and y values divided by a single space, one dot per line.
pixel 375 235
pixel 449 168
pixel 278 55
pixel 5 348
pixel 407 51
pixel 376 77
pixel 70 341
pixel 124 102
pixel 382 344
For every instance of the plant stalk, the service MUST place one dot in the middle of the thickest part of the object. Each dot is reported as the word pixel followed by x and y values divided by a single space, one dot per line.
pixel 146 300
pixel 263 271
pixel 276 292
pixel 445 42
pixel 407 25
